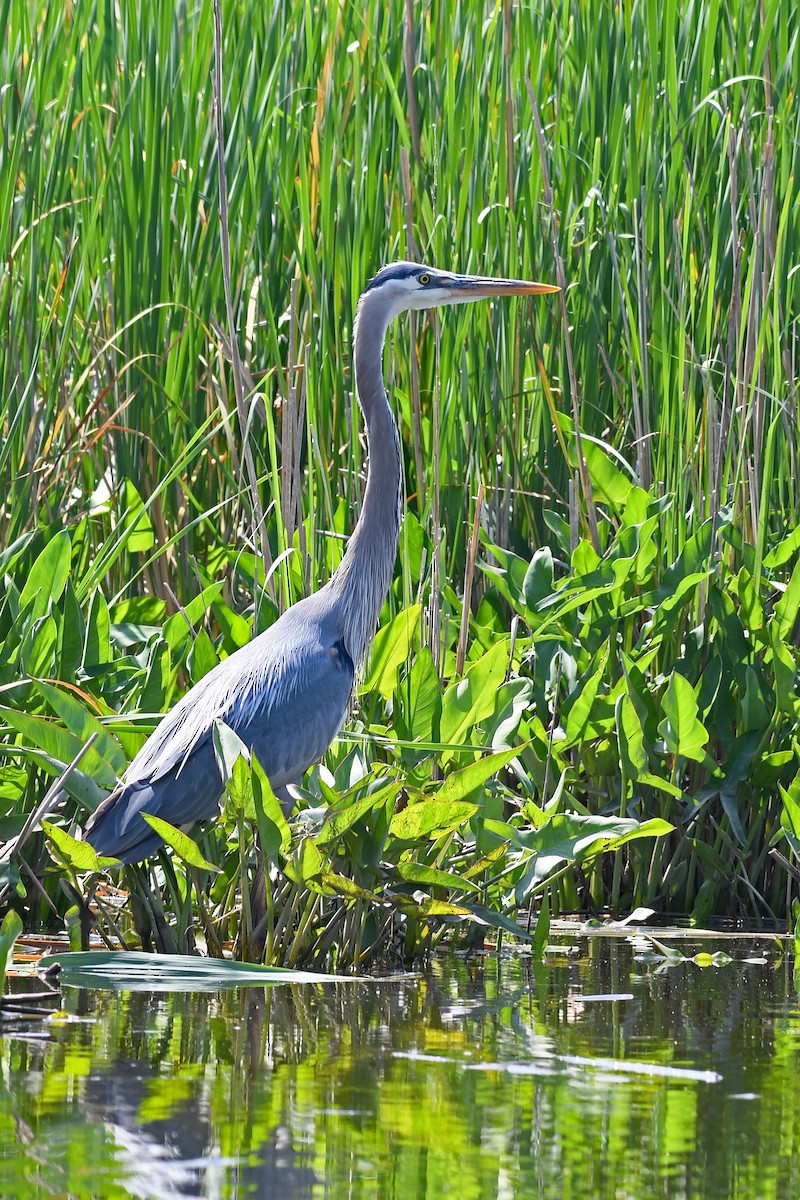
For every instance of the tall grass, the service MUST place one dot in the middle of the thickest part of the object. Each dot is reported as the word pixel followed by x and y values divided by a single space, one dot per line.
pixel 664 183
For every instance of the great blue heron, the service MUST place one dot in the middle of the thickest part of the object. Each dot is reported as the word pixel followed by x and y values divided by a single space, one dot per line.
pixel 286 693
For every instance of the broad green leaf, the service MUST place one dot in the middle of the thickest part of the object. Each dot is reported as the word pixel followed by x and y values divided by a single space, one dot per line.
pixel 38 655
pixel 538 581
pixel 580 711
pixel 750 606
pixel 661 785
pixel 498 920
pixel 202 657
pixel 249 791
pixel 390 650
pixel 470 700
pixel 12 784
pixel 83 724
pixel 342 886
pixel 139 610
pixel 608 481
pixel 72 635
pixel 568 838
pixel 430 818
pixel 542 932
pixel 413 872
pixel 426 909
pixel 340 819
pixel 273 828
pixel 235 629
pixel 785 674
pixel 682 730
pixel 239 789
pixel 135 528
pixel 305 865
pixel 179 625
pixel 460 783
pixel 788 606
pixel 48 575
pixel 513 701
pixel 422 698
pixel 184 846
pixel 60 744
pixel 160 678
pixel 97 642
pixel 80 856
pixel 228 748
pixel 755 714
pixel 783 551
pixel 630 736
pixel 790 818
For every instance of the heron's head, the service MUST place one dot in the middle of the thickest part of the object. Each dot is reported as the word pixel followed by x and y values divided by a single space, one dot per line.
pixel 405 285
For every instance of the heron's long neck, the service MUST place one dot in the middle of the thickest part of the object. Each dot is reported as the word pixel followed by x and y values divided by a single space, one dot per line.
pixel 365 572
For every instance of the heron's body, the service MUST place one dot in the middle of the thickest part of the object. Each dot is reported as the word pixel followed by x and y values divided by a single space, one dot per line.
pixel 286 694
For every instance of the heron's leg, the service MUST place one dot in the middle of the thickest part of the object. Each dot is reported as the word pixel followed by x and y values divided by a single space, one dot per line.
pixel 285 797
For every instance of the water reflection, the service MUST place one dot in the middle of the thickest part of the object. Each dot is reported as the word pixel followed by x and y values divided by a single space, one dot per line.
pixel 603 1076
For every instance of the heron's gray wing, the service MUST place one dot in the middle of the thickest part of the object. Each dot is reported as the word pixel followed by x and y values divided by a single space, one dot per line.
pixel 117 827
pixel 294 731
pixel 285 697
pixel 294 661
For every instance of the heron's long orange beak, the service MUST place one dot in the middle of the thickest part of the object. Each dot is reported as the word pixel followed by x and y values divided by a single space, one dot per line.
pixel 480 287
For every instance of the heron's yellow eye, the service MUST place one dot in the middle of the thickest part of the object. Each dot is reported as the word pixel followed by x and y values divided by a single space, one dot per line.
pixel 424 279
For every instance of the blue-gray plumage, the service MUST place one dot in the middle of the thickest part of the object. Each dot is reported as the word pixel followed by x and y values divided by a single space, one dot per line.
pixel 286 694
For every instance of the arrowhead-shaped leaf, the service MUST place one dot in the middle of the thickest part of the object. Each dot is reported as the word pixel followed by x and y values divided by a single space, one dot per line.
pixel 682 729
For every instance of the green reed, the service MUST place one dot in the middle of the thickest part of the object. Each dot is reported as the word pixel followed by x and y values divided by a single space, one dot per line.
pixel 669 139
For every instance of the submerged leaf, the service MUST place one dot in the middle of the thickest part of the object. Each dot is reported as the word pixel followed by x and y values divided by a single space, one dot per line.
pixel 139 972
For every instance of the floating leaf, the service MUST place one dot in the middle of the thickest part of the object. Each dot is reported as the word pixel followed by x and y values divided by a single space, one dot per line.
pixel 132 971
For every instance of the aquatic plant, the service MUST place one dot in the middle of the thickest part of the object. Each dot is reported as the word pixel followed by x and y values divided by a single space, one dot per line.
pixel 632 567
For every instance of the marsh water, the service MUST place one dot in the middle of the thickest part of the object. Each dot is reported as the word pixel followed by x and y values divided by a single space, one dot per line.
pixel 614 1072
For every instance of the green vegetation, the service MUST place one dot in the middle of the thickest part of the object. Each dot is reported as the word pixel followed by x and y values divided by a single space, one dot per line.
pixel 629 651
